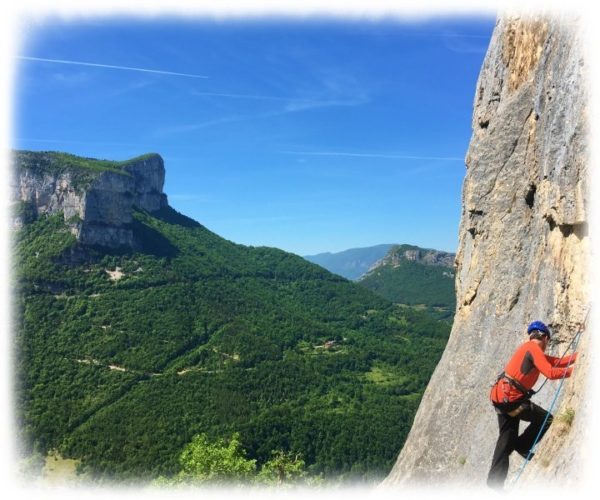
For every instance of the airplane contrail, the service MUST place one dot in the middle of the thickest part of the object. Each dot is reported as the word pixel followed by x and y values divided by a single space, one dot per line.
pixel 374 155
pixel 109 66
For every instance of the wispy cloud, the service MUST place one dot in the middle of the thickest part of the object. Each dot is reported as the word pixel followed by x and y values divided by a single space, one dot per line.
pixel 293 104
pixel 241 96
pixel 75 78
pixel 466 44
pixel 191 127
pixel 306 104
pixel 374 155
pixel 131 88
pixel 109 66
pixel 324 89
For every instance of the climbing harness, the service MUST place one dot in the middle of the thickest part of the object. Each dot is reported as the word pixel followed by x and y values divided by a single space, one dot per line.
pixel 512 408
pixel 573 342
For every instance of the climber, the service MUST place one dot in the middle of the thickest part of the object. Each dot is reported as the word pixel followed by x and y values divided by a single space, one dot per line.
pixel 511 395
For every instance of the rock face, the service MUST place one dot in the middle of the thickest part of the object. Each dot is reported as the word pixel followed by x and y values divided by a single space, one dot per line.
pixel 97 198
pixel 523 256
pixel 411 253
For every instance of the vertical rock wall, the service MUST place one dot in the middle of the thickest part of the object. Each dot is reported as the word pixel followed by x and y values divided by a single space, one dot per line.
pixel 102 212
pixel 522 256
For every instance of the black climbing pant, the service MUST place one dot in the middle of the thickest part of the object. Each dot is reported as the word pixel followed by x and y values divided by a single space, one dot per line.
pixel 509 439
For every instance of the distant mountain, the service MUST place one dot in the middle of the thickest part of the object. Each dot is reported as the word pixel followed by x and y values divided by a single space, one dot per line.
pixel 412 275
pixel 137 328
pixel 350 264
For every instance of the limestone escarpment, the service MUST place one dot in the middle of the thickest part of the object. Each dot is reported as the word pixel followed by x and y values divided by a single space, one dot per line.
pixel 523 255
pixel 96 197
pixel 411 253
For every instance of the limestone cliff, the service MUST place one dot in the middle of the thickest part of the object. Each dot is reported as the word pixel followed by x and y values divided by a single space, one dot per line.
pixel 96 197
pixel 523 255
pixel 399 253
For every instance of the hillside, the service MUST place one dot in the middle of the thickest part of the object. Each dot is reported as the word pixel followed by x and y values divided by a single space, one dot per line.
pixel 137 328
pixel 352 263
pixel 523 255
pixel 412 275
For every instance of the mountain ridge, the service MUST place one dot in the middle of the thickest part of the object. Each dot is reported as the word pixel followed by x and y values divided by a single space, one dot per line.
pixel 351 263
pixel 354 263
pixel 413 253
pixel 412 275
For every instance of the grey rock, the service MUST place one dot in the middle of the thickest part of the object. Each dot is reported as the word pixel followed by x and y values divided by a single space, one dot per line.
pixel 523 256
pixel 100 211
pixel 411 253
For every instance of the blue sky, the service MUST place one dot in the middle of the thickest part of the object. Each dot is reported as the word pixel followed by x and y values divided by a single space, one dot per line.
pixel 309 136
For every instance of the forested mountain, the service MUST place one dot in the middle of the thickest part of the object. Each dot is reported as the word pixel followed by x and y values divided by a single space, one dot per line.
pixel 352 263
pixel 154 329
pixel 412 275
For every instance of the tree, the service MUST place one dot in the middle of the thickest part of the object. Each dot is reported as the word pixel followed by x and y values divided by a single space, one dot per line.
pixel 282 468
pixel 205 461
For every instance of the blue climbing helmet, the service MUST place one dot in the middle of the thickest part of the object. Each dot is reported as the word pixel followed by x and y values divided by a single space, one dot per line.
pixel 539 326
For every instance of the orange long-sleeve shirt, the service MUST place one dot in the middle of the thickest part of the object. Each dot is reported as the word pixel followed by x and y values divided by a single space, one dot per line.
pixel 525 367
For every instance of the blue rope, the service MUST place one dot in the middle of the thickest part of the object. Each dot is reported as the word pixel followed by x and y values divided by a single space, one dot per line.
pixel 532 449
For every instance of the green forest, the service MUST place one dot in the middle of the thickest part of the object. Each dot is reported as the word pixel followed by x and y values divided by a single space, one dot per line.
pixel 413 283
pixel 122 358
